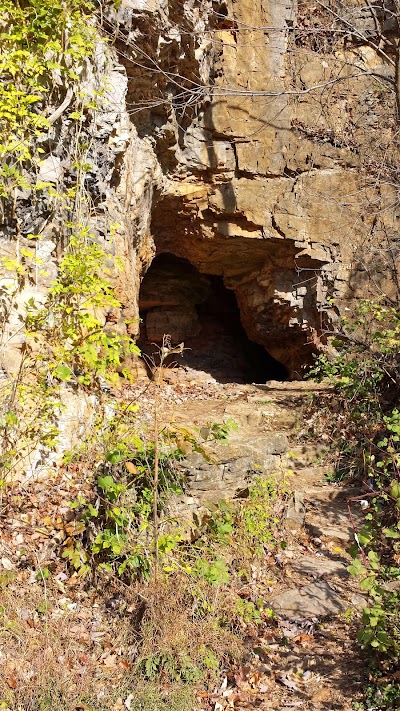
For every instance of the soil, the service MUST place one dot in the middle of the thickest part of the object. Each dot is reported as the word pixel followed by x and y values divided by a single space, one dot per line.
pixel 305 656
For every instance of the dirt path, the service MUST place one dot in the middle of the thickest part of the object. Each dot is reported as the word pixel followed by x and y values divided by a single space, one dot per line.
pixel 307 658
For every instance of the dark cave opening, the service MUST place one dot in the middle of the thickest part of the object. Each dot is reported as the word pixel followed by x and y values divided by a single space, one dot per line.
pixel 200 311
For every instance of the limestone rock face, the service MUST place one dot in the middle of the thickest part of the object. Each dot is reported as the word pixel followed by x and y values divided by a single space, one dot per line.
pixel 237 137
pixel 266 184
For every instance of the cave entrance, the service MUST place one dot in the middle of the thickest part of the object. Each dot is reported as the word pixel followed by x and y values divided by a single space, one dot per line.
pixel 198 310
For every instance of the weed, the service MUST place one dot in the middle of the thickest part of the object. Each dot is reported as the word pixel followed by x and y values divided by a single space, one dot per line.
pixel 248 611
pixel 260 513
pixel 112 528
pixel 334 477
pixel 169 627
pixel 214 572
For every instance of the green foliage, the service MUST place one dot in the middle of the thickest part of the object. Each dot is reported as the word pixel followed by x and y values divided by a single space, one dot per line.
pixel 214 572
pixel 221 431
pixel 222 520
pixel 77 347
pixel 366 427
pixel 66 343
pixel 376 548
pixel 248 611
pixel 176 667
pixel 380 693
pixel 43 43
pixel 259 519
pixel 251 523
pixel 43 49
pixel 113 530
pixel 367 353
pixel 110 530
pixel 28 416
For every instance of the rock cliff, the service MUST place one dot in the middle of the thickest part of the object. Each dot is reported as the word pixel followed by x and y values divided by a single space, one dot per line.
pixel 255 139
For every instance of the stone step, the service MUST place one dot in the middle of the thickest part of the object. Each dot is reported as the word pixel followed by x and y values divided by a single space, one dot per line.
pixel 263 415
pixel 317 599
pixel 316 566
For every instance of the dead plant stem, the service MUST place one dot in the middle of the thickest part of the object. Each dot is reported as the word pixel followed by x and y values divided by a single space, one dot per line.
pixel 155 483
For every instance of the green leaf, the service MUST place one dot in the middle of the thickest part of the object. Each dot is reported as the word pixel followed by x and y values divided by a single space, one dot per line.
pixel 395 489
pixel 114 456
pixel 391 533
pixel 62 372
pixel 11 418
pixel 357 568
pixel 367 583
pixel 92 511
pixel 364 537
pixel 105 482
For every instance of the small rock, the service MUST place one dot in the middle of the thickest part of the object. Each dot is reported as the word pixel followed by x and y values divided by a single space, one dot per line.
pixel 295 512
pixel 333 534
pixel 273 443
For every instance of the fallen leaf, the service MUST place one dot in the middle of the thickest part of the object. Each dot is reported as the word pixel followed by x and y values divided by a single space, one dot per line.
pixel 321 695
pixel 6 563
pixel 303 639
pixel 75 528
pixel 80 633
pixel 132 470
pixel 48 522
pixel 110 661
pixel 288 682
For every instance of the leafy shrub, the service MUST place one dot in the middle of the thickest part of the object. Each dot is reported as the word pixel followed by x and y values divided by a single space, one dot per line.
pixel 113 530
pixel 366 428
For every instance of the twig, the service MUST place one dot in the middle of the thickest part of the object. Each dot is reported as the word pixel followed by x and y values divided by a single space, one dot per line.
pixel 57 113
